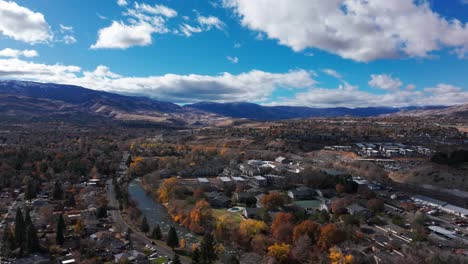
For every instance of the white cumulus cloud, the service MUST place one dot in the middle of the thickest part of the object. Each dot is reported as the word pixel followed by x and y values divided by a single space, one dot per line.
pixel 22 24
pixel 143 21
pixel 121 36
pixel 385 82
pixel 14 53
pixel 354 29
pixel 254 85
pixel 122 2
pixel 210 22
pixel 234 59
pixel 332 73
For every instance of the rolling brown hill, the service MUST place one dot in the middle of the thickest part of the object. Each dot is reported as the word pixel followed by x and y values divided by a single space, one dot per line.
pixel 456 111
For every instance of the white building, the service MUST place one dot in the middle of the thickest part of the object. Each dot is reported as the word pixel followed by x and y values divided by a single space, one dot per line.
pixel 455 210
pixel 203 181
pixel 428 201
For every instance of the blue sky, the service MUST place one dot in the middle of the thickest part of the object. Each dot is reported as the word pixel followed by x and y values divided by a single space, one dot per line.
pixel 275 52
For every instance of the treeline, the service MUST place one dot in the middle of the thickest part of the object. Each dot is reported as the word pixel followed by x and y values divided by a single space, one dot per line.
pixel 455 157
pixel 287 236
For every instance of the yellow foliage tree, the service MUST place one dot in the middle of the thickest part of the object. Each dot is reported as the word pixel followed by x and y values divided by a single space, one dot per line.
pixel 200 216
pixel 167 188
pixel 280 252
pixel 337 257
pixel 251 227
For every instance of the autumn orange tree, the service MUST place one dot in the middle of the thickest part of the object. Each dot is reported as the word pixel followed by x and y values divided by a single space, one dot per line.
pixel 200 217
pixel 136 165
pixel 340 188
pixel 280 252
pixel 273 201
pixel 282 227
pixel 167 189
pixel 338 206
pixel 330 235
pixel 375 205
pixel 308 228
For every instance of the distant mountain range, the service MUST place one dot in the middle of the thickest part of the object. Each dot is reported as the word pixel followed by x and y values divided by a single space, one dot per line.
pixel 22 98
pixel 258 112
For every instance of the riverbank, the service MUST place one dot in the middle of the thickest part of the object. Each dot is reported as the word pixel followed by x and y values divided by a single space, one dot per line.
pixel 124 224
pixel 156 213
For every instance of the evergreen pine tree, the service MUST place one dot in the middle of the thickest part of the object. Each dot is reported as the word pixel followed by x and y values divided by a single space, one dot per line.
pixel 196 256
pixel 156 234
pixel 32 241
pixel 20 229
pixel 144 225
pixel 58 192
pixel 207 250
pixel 172 239
pixel 60 230
pixel 70 202
pixel 27 218
pixel 30 191
pixel 176 259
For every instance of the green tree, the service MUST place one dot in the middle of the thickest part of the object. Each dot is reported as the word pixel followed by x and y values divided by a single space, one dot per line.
pixel 30 191
pixel 398 220
pixel 207 250
pixel 172 239
pixel 323 216
pixel 101 212
pixel 350 220
pixel 196 256
pixel 156 234
pixel 176 259
pixel 20 229
pixel 27 218
pixel 60 237
pixel 58 192
pixel 144 225
pixel 32 241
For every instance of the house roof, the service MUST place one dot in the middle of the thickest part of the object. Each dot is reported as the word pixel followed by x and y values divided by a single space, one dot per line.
pixel 356 208
pixel 303 191
pixel 225 179
pixel 428 200
pixel 456 209
pixel 251 211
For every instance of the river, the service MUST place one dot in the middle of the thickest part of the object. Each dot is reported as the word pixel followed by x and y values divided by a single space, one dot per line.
pixel 156 213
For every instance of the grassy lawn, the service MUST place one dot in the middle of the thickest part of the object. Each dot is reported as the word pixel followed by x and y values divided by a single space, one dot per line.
pixel 160 260
pixel 237 217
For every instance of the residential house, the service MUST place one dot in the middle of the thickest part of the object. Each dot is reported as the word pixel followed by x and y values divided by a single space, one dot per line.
pixel 132 256
pixel 259 181
pixel 282 160
pixel 251 212
pixel 302 193
pixel 355 209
